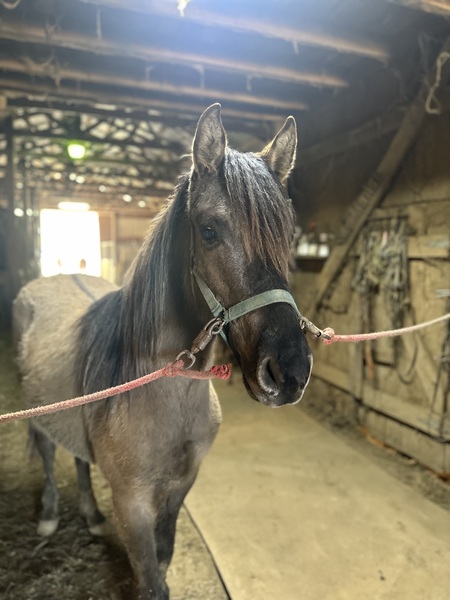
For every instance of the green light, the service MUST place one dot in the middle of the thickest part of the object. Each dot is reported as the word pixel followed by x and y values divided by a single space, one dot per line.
pixel 76 151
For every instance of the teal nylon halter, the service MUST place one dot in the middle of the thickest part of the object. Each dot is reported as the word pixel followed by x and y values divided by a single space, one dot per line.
pixel 245 306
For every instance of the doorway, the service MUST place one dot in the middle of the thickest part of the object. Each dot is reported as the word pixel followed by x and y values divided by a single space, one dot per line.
pixel 70 242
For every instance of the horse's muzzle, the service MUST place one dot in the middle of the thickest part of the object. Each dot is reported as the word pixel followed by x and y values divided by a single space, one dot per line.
pixel 281 380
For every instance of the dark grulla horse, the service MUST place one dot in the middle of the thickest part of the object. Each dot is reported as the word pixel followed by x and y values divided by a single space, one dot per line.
pixel 229 223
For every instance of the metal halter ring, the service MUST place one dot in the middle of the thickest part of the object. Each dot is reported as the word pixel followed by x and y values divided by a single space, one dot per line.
pixel 189 356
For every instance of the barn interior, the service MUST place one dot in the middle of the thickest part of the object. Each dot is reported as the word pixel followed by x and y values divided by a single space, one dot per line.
pixel 99 100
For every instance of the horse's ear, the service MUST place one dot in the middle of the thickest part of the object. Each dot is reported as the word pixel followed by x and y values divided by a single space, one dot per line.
pixel 280 153
pixel 210 141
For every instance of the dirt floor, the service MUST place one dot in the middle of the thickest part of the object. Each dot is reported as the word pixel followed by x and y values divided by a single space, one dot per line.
pixel 72 564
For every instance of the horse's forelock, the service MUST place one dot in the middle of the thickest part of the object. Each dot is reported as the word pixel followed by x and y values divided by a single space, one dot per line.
pixel 262 208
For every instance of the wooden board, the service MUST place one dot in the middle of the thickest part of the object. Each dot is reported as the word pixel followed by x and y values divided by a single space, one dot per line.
pixel 433 246
pixel 419 417
pixel 428 451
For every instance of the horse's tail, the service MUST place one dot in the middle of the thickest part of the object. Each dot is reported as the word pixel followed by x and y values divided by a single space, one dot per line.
pixel 22 319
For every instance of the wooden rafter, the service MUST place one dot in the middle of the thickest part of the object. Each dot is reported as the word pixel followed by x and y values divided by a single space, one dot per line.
pixel 438 7
pixel 350 44
pixel 97 78
pixel 105 47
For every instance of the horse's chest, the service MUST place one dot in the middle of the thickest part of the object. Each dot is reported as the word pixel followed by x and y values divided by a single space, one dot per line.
pixel 197 430
pixel 161 441
pixel 187 459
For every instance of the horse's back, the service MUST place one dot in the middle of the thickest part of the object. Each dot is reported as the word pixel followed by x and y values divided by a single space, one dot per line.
pixel 45 316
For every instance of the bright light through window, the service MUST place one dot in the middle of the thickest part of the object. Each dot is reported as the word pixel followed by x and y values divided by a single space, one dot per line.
pixel 70 242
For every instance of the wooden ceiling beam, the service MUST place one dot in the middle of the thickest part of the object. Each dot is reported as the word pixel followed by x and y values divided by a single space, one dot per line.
pixel 297 36
pixel 79 75
pixel 437 7
pixel 105 47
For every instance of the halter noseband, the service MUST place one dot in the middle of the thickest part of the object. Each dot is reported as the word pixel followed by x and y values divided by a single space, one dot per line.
pixel 245 306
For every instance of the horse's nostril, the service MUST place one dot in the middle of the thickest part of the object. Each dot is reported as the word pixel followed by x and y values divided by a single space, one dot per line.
pixel 269 376
pixel 284 377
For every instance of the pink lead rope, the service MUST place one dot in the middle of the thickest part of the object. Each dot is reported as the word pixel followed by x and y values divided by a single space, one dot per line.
pixel 328 336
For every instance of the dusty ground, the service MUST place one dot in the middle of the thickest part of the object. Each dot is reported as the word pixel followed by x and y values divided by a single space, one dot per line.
pixel 72 564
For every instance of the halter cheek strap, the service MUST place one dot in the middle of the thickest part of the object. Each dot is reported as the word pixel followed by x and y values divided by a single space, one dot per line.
pixel 249 305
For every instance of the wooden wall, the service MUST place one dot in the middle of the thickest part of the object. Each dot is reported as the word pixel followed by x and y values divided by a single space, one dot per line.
pixel 399 388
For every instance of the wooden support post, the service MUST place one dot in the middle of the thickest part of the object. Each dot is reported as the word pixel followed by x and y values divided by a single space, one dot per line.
pixel 437 7
pixel 356 351
pixel 9 179
pixel 115 247
pixel 11 276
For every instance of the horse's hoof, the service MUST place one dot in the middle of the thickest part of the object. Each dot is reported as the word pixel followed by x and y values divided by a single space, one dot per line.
pixel 47 528
pixel 100 529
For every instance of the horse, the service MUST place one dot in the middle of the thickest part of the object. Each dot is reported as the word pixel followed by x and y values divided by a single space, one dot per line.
pixel 227 228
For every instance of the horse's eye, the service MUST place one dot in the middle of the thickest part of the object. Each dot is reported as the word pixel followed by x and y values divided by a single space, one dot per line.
pixel 208 234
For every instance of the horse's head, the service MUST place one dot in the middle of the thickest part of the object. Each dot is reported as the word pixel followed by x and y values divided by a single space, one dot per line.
pixel 242 227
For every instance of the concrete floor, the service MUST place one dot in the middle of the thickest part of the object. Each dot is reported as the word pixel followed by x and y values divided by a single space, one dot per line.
pixel 292 511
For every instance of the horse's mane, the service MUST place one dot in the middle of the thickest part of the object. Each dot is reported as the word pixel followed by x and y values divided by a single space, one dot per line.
pixel 120 332
pixel 156 280
pixel 120 329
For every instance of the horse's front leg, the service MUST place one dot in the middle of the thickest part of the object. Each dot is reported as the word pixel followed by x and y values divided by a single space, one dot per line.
pixel 136 524
pixel 166 523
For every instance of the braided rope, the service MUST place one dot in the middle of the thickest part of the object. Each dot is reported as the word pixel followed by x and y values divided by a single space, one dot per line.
pixel 172 369
pixel 328 335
